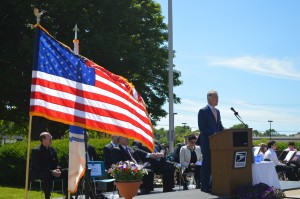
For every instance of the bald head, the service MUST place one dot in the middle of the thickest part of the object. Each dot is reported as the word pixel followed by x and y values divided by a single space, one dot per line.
pixel 115 139
pixel 123 141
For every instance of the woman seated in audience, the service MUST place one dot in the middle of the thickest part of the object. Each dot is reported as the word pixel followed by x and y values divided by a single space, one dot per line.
pixel 262 150
pixel 190 158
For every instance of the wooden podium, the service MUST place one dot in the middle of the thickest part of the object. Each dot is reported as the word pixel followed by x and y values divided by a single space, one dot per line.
pixel 231 160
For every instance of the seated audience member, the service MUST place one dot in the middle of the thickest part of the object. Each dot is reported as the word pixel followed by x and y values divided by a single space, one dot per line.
pixel 262 150
pixel 189 156
pixel 177 149
pixel 291 147
pixel 44 165
pixel 123 153
pixel 272 156
pixel 91 155
pixel 107 151
pixel 158 163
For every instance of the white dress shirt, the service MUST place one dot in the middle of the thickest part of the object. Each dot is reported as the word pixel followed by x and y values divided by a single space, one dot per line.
pixel 271 155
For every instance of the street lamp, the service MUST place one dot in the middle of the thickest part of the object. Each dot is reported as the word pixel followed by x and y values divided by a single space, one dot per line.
pixel 184 123
pixel 270 129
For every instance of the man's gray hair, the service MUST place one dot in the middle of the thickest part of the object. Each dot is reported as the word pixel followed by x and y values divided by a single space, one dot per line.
pixel 210 93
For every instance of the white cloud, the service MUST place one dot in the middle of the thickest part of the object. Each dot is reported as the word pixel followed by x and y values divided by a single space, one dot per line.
pixel 264 66
pixel 255 115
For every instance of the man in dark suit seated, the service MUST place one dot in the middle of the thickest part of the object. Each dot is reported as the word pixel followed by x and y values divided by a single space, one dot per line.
pixel 157 163
pixel 44 165
pixel 91 151
pixel 123 153
pixel 107 151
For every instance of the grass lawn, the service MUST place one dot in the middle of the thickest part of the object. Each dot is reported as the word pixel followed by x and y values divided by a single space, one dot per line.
pixel 19 193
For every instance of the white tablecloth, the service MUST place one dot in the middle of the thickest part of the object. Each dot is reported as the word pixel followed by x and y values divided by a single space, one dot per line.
pixel 265 172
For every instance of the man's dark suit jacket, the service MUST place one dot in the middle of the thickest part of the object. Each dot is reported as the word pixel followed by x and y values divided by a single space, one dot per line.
pixel 208 126
pixel 158 166
pixel 119 154
pixel 43 160
pixel 92 152
pixel 107 152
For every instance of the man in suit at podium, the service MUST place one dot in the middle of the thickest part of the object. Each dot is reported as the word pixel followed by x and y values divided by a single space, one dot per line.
pixel 209 122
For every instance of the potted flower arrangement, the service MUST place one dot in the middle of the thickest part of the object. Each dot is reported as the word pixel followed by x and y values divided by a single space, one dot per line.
pixel 260 190
pixel 128 177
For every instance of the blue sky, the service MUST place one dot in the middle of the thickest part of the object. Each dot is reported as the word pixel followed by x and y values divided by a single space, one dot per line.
pixel 248 51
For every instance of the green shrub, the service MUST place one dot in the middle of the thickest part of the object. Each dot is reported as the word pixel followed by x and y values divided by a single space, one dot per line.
pixel 280 145
pixel 13 158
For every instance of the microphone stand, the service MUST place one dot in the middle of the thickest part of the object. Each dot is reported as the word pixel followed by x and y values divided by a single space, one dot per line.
pixel 240 119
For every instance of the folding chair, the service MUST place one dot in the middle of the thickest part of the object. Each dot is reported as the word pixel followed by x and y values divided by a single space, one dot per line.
pixel 40 183
pixel 98 174
pixel 53 185
pixel 190 177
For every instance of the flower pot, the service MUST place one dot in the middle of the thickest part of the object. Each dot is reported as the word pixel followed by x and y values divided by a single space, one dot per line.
pixel 128 189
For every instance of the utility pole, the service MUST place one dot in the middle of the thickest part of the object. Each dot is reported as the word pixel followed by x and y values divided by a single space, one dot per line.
pixel 270 129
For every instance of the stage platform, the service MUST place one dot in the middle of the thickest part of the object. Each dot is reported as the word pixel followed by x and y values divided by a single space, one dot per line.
pixel 291 188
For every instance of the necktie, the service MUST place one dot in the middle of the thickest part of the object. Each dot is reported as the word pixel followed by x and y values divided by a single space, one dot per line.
pixel 131 157
pixel 215 114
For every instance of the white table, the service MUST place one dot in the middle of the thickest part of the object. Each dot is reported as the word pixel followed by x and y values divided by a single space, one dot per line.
pixel 265 172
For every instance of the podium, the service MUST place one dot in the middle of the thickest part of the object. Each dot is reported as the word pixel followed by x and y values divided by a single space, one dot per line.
pixel 231 160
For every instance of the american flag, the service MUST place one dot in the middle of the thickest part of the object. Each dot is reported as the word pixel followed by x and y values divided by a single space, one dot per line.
pixel 71 89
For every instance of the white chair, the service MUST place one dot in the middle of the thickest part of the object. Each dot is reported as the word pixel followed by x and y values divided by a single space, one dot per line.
pixel 53 185
pixel 40 184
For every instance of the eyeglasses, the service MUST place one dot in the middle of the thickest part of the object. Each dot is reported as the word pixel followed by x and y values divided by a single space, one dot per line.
pixel 192 142
pixel 49 137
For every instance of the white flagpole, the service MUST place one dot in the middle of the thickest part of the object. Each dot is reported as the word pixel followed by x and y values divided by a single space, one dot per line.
pixel 76 50
pixel 170 45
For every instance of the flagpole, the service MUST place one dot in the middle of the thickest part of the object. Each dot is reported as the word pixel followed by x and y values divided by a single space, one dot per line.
pixel 38 19
pixel 170 45
pixel 27 160
pixel 87 171
pixel 76 50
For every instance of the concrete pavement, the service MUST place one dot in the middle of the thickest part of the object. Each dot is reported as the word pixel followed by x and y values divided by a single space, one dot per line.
pixel 291 189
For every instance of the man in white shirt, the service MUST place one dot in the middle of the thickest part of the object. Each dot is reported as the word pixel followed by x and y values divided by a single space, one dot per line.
pixel 271 155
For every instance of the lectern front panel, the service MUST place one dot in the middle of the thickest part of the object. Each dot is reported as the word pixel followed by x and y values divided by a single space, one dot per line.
pixel 240 139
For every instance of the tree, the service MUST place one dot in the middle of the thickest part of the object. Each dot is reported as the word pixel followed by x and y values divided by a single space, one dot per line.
pixel 256 133
pixel 126 37
pixel 239 126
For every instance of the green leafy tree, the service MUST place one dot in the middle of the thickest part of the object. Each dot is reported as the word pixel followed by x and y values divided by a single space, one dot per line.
pixel 239 126
pixel 256 133
pixel 126 37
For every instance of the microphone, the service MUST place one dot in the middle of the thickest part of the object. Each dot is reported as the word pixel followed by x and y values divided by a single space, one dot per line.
pixel 238 117
pixel 235 113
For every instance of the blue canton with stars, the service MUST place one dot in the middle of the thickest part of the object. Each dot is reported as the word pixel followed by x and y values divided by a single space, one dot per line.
pixel 56 59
